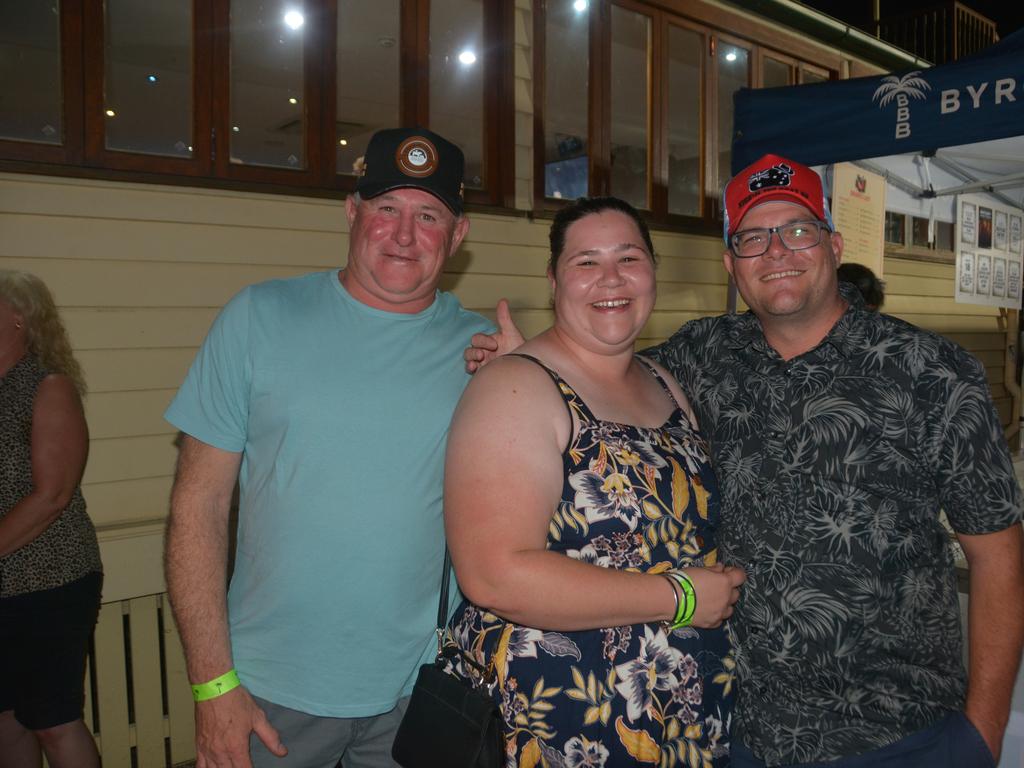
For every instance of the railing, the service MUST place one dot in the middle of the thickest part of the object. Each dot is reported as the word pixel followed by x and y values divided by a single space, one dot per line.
pixel 137 698
pixel 940 33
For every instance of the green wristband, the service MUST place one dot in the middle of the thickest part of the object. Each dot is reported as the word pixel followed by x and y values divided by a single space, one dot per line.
pixel 688 601
pixel 216 687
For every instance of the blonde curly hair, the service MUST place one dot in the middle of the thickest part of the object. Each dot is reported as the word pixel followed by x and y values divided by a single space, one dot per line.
pixel 45 335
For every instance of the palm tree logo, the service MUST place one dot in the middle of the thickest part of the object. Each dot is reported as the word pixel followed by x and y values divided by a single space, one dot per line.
pixel 901 90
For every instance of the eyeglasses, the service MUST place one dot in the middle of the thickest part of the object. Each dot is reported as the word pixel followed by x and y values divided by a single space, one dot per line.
pixel 795 236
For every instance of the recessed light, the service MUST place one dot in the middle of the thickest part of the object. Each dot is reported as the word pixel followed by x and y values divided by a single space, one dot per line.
pixel 293 100
pixel 580 6
pixel 110 113
pixel 730 56
pixel 343 142
pixel 151 78
pixel 467 57
pixel 234 128
pixel 294 19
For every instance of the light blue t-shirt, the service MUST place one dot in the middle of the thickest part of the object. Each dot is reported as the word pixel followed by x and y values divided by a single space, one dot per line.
pixel 341 412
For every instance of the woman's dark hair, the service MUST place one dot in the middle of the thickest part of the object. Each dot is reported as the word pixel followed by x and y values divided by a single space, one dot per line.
pixel 585 206
pixel 870 287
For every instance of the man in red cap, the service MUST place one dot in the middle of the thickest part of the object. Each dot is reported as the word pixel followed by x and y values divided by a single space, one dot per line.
pixel 838 434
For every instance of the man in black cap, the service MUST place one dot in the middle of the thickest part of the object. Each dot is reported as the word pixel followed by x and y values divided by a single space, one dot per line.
pixel 327 397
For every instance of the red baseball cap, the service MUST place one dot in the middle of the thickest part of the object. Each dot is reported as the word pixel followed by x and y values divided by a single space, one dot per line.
pixel 773 178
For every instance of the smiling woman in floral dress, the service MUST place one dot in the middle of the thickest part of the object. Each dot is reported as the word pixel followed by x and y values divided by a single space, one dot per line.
pixel 576 479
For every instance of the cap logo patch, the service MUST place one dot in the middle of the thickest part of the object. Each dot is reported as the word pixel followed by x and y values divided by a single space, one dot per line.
pixel 777 176
pixel 416 157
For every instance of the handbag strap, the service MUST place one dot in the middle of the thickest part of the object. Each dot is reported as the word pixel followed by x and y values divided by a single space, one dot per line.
pixel 443 652
pixel 442 606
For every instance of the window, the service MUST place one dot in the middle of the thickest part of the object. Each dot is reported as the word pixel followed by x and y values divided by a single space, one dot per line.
pixel 733 73
pixel 366 39
pixel 30 73
pixel 776 73
pixel 895 228
pixel 565 155
pixel 636 100
pixel 457 59
pixel 907 236
pixel 147 102
pixel 253 91
pixel 630 105
pixel 685 116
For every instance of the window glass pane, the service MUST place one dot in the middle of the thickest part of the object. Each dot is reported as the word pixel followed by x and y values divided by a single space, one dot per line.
pixel 566 60
pixel 944 235
pixel 457 81
pixel 810 76
pixel 148 80
pixel 368 38
pixel 733 74
pixel 920 232
pixel 268 116
pixel 685 53
pixel 30 78
pixel 631 34
pixel 775 74
pixel 894 228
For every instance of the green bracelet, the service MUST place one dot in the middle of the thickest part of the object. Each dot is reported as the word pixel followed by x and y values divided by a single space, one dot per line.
pixel 216 687
pixel 687 602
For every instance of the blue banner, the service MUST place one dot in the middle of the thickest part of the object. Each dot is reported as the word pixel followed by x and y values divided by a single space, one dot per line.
pixel 974 99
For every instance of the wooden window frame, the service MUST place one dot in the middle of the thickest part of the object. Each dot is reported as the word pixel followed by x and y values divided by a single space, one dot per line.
pixel 716 26
pixel 907 249
pixel 84 152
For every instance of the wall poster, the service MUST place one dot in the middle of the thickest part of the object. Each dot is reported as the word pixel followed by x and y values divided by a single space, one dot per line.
pixel 858 212
pixel 989 252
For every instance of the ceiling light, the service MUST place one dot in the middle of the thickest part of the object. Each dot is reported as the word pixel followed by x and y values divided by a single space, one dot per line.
pixel 293 100
pixel 234 128
pixel 294 19
pixel 730 56
pixel 110 113
pixel 151 78
pixel 467 57
pixel 343 142
pixel 580 6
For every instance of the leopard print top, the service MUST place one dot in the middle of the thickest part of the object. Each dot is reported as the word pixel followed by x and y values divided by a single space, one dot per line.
pixel 67 550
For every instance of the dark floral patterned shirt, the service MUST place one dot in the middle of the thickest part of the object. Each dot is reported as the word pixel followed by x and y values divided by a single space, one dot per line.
pixel 833 467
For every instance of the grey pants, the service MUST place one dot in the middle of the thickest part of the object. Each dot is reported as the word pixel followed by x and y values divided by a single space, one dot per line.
pixel 321 742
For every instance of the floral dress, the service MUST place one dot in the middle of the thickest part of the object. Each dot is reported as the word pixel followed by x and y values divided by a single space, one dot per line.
pixel 639 499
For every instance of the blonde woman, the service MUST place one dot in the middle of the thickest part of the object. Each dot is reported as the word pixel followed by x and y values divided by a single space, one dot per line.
pixel 50 572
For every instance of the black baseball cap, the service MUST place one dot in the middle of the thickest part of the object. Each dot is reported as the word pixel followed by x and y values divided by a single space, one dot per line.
pixel 413 157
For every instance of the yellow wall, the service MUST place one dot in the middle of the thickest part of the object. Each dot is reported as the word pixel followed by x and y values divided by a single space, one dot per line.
pixel 140 271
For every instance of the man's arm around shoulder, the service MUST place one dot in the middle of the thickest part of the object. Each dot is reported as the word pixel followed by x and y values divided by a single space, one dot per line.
pixel 195 562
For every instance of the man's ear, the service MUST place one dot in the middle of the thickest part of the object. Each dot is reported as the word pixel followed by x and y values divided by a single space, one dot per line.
pixel 837 247
pixel 350 210
pixel 727 261
pixel 458 234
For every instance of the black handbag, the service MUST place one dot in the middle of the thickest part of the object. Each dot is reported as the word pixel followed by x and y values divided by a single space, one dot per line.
pixel 450 721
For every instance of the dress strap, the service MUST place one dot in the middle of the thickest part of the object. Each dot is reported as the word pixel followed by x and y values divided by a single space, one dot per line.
pixel 578 410
pixel 661 380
